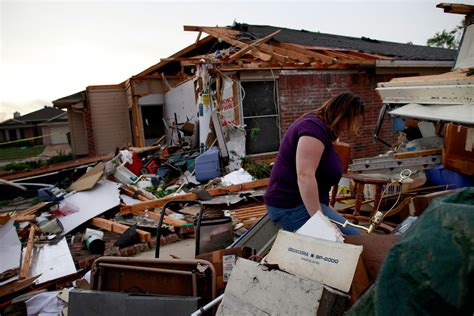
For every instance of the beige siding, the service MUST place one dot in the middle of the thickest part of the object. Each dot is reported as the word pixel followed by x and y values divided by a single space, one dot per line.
pixel 78 133
pixel 110 119
pixel 59 134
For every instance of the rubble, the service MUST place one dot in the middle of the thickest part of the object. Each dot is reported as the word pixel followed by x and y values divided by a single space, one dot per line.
pixel 65 246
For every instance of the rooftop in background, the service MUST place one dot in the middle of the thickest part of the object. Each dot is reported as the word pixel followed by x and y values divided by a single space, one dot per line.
pixel 45 114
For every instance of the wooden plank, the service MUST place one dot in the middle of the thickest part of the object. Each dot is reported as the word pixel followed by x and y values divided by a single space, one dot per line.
pixel 324 58
pixel 418 153
pixel 118 228
pixel 24 218
pixel 18 285
pixel 32 210
pixel 193 196
pixel 244 50
pixel 156 217
pixel 217 33
pixel 289 53
pixel 25 267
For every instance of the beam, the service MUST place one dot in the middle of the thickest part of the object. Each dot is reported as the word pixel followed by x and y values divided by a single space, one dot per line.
pixel 318 56
pixel 193 196
pixel 252 45
pixel 25 267
pixel 118 228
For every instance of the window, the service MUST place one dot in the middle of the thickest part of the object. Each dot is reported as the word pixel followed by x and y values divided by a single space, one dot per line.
pixel 260 115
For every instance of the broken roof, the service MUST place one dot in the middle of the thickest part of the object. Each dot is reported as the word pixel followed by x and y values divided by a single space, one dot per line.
pixel 363 44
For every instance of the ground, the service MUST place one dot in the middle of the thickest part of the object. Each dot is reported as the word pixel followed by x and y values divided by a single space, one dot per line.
pixel 17 155
pixel 9 153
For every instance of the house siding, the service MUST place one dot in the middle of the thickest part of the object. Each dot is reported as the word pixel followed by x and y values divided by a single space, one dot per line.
pixel 110 119
pixel 300 93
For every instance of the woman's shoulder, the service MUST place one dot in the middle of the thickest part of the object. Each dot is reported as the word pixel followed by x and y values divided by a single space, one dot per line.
pixel 312 125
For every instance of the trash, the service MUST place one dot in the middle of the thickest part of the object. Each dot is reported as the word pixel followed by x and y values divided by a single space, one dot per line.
pixel 94 241
pixel 237 177
pixel 89 179
pixel 253 289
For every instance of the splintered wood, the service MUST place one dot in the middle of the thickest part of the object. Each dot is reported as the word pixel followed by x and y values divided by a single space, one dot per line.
pixel 249 215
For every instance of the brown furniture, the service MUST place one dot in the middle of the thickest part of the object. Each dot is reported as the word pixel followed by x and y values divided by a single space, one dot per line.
pixel 344 151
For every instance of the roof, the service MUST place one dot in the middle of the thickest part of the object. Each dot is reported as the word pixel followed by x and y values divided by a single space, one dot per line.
pixel 43 114
pixel 47 113
pixel 366 45
pixel 70 99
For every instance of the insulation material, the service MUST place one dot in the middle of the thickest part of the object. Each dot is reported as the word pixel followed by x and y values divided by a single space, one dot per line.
pixel 10 247
pixel 235 147
pixel 88 204
pixel 52 262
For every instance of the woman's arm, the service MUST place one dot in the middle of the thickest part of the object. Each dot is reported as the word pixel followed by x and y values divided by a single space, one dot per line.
pixel 308 154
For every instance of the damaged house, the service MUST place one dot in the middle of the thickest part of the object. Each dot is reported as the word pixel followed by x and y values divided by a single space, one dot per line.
pixel 258 78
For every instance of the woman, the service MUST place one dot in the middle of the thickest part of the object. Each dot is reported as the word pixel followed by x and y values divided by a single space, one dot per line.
pixel 307 165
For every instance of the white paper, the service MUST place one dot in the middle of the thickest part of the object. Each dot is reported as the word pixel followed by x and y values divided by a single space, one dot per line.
pixel 103 197
pixel 10 247
pixel 319 226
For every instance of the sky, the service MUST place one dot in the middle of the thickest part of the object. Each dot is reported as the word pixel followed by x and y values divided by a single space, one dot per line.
pixel 52 49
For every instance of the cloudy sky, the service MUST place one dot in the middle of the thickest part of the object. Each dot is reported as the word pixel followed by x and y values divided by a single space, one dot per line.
pixel 53 49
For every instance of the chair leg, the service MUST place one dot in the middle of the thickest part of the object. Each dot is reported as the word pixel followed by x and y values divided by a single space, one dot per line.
pixel 359 187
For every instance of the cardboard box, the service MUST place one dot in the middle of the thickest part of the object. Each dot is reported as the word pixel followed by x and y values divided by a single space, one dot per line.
pixel 320 260
pixel 224 261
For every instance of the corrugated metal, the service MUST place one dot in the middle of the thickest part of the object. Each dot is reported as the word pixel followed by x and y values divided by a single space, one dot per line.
pixel 78 133
pixel 110 119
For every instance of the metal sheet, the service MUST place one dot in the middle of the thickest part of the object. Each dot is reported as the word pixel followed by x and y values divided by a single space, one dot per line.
pixel 96 303
pixel 460 113
pixel 103 197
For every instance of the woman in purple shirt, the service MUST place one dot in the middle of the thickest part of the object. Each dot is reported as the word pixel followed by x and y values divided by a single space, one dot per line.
pixel 307 165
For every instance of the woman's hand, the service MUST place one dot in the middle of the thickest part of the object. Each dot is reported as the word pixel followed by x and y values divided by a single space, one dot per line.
pixel 308 155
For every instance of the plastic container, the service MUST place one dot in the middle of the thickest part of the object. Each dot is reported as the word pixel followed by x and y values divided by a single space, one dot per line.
pixel 136 166
pixel 207 166
pixel 441 176
pixel 125 176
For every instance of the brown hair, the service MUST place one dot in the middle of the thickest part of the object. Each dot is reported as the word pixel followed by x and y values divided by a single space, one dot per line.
pixel 345 107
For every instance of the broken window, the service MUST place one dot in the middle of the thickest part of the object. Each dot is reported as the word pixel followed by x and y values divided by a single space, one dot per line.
pixel 260 115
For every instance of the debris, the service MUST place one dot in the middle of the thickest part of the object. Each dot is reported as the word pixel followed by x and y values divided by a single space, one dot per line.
pixel 88 180
pixel 323 261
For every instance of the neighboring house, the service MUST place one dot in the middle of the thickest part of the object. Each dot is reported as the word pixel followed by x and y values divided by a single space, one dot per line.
pixel 49 122
pixel 263 77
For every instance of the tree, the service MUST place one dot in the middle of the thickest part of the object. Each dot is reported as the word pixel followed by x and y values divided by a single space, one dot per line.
pixel 447 39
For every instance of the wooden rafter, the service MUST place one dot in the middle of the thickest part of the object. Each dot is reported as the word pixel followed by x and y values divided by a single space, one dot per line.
pixel 317 56
pixel 252 45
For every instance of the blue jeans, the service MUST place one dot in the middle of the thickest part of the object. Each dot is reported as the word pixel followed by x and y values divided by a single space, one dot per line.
pixel 291 219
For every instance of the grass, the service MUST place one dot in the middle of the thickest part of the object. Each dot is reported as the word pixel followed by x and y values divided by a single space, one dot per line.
pixel 30 165
pixel 8 153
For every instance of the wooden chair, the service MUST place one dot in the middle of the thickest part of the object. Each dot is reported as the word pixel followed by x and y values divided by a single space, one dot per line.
pixel 344 152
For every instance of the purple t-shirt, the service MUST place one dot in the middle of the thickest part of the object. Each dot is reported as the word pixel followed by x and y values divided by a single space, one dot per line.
pixel 282 190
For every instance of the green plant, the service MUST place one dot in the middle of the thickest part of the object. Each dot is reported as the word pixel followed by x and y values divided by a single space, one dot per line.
pixel 61 157
pixel 257 169
pixel 254 132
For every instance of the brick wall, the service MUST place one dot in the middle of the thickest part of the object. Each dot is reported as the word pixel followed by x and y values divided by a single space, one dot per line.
pixel 300 93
